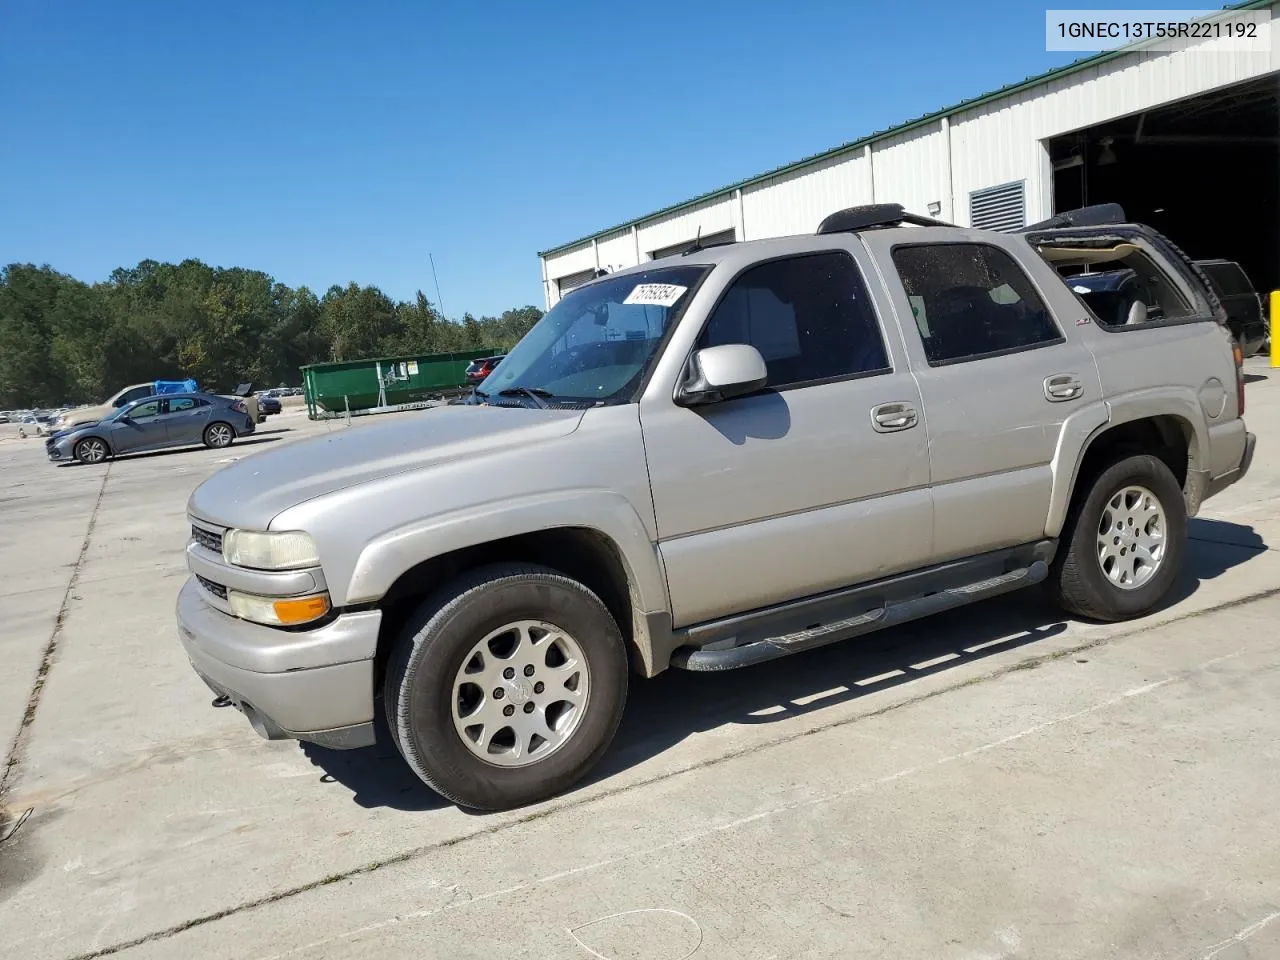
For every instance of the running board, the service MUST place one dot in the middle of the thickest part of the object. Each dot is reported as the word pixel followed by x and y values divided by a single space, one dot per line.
pixel 716 656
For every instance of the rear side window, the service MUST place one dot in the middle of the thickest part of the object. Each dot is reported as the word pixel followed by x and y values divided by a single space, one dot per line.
pixel 971 300
pixel 810 317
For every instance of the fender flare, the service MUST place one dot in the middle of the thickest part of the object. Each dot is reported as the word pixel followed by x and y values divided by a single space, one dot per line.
pixel 1086 425
pixel 385 558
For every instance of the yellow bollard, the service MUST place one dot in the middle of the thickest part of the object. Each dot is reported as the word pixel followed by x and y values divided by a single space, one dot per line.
pixel 1275 327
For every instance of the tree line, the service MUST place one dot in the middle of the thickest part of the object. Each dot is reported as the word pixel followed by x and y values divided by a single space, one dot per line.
pixel 64 341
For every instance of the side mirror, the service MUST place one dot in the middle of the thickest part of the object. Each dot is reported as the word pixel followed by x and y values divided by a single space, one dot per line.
pixel 722 373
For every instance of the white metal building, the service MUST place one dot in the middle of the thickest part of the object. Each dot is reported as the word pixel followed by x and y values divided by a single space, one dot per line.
pixel 1187 141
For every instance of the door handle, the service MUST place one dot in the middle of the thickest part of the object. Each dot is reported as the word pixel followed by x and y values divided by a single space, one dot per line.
pixel 891 417
pixel 1062 386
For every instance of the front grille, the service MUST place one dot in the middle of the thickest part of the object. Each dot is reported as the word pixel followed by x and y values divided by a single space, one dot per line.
pixel 217 589
pixel 207 539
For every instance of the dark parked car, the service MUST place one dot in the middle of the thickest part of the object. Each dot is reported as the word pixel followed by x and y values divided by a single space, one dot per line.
pixel 174 420
pixel 477 370
pixel 1243 304
pixel 267 405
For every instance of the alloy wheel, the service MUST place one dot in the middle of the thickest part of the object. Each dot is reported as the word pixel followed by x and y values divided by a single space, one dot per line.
pixel 1131 535
pixel 520 693
pixel 92 450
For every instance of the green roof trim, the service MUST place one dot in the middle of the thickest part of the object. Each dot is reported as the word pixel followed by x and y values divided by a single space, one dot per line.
pixel 1074 66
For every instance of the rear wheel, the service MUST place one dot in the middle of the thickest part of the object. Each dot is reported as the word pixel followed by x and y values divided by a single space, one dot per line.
pixel 92 450
pixel 218 435
pixel 1123 542
pixel 507 686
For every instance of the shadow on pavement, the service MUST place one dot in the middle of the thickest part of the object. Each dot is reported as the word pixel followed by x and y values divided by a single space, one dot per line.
pixel 1202 530
pixel 662 712
pixel 1254 377
pixel 377 776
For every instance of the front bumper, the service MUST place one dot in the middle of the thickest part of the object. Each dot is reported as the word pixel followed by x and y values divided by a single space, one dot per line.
pixel 58 450
pixel 314 685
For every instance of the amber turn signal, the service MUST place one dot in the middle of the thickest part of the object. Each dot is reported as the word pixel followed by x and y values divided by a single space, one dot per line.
pixel 301 609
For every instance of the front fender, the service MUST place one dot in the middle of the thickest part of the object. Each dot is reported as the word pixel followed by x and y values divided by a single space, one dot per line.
pixel 382 560
pixel 1085 425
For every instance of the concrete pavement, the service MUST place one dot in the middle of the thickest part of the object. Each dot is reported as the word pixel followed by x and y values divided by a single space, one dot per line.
pixel 999 782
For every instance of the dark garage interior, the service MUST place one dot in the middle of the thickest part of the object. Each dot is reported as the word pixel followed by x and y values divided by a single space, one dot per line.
pixel 1205 172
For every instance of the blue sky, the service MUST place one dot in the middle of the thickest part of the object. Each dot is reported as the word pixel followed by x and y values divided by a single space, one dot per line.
pixel 325 142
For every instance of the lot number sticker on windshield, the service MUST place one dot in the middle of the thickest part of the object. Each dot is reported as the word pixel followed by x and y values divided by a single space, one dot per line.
pixel 656 294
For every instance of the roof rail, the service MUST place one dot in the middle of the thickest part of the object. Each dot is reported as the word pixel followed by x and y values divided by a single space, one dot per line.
pixel 1097 215
pixel 873 215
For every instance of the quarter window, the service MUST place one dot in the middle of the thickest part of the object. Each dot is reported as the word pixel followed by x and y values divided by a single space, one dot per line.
pixel 810 317
pixel 971 300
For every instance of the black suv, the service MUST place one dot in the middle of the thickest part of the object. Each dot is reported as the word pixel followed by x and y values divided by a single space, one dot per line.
pixel 1242 302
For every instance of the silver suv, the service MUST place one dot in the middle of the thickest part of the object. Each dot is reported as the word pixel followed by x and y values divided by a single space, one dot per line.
pixel 709 461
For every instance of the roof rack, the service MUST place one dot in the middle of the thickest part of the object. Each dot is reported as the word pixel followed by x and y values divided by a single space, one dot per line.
pixel 872 215
pixel 1097 215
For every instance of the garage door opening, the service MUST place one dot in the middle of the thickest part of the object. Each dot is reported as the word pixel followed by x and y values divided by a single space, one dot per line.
pixel 1205 172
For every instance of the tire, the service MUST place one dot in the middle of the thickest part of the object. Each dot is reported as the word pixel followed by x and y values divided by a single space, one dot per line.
pixel 218 435
pixel 438 650
pixel 92 450
pixel 1079 579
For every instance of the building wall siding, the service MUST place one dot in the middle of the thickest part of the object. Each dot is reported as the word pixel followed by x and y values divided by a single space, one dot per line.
pixel 617 250
pixel 711 217
pixel 796 203
pixel 910 169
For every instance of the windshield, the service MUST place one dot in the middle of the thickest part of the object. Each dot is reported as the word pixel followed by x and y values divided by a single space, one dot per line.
pixel 596 344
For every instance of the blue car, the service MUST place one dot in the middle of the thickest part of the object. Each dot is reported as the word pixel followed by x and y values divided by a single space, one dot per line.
pixel 154 423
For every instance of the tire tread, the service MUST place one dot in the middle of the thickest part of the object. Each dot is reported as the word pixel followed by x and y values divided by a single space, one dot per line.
pixel 1069 579
pixel 422 625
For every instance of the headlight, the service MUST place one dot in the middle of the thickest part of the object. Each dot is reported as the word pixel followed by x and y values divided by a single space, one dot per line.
pixel 287 550
pixel 275 611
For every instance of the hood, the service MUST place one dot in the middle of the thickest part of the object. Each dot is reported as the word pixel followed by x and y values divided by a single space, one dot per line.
pixel 250 493
pixel 84 416
pixel 68 431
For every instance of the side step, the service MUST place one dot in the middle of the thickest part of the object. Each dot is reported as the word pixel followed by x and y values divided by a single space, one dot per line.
pixel 715 656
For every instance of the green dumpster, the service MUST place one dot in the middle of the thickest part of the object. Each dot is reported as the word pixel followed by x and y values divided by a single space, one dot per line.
pixel 365 385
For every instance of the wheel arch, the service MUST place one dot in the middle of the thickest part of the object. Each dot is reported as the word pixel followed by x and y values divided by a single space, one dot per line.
pixel 1173 431
pixel 613 556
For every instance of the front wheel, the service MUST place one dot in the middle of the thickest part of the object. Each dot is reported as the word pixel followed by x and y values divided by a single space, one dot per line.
pixel 507 686
pixel 1123 542
pixel 91 450
pixel 218 435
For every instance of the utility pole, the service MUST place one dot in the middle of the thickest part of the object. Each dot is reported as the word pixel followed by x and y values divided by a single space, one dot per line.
pixel 439 301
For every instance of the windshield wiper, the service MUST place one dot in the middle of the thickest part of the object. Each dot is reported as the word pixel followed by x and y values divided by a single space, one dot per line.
pixel 535 394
